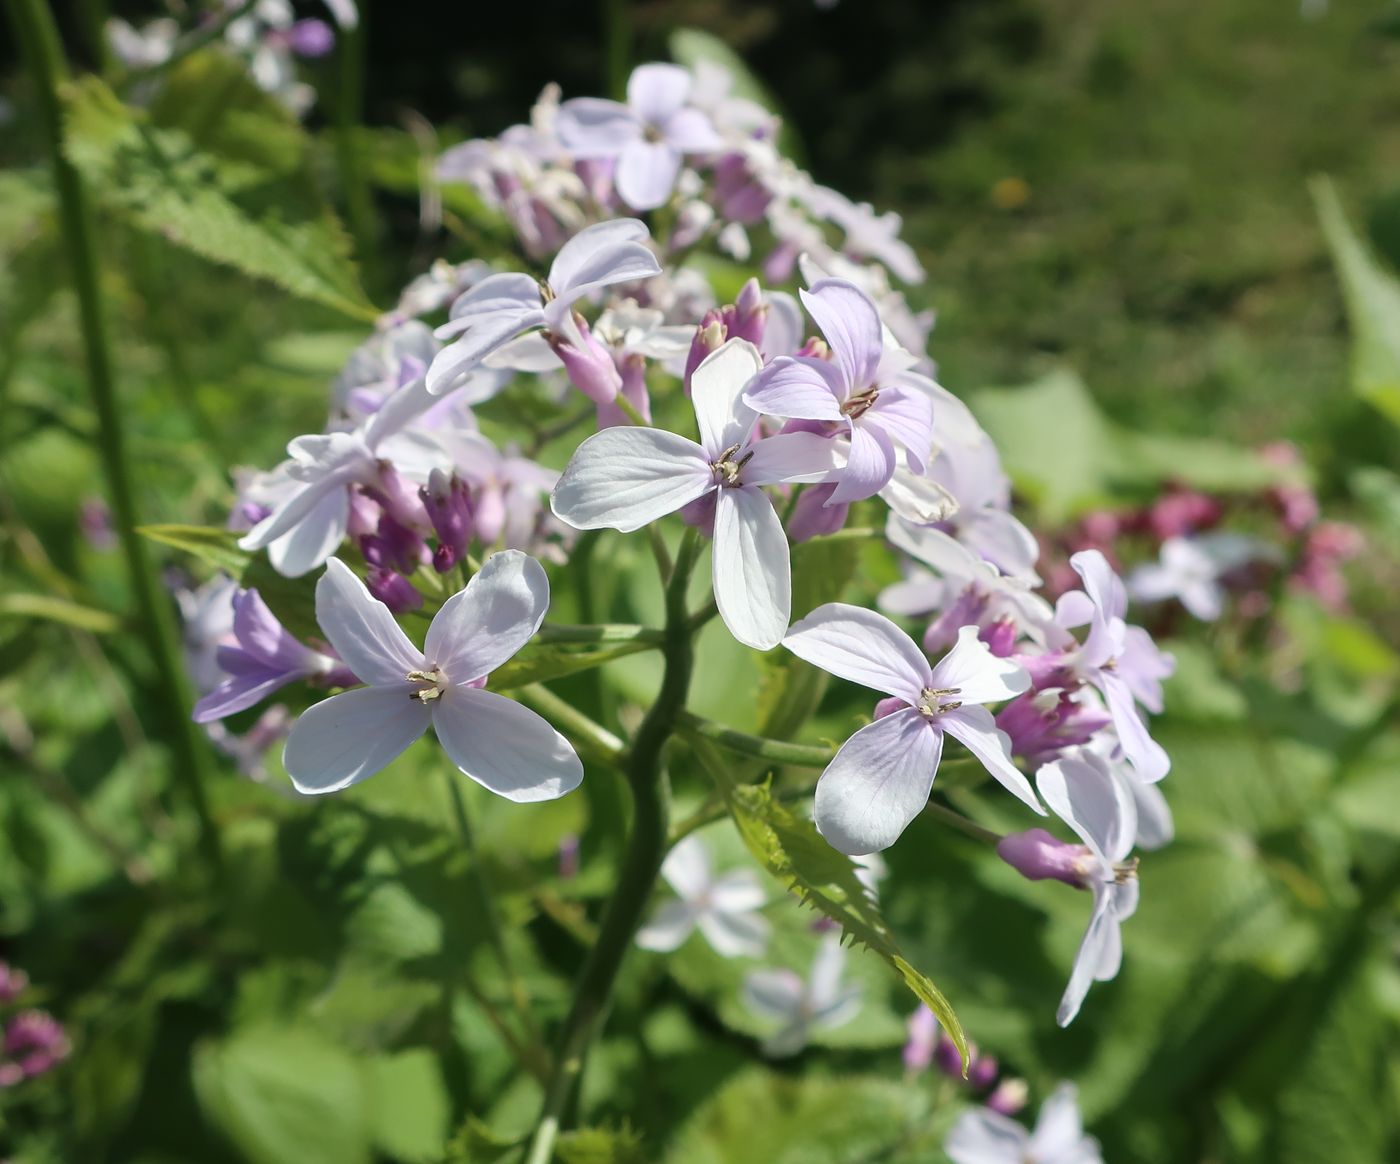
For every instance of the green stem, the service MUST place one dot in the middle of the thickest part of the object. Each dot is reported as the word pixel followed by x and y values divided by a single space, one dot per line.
pixel 617 25
pixel 586 735
pixel 646 850
pixel 349 103
pixel 775 751
pixel 600 633
pixel 962 823
pixel 43 56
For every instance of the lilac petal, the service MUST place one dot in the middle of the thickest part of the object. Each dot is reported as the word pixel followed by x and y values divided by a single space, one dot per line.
pixel 624 478
pixel 851 325
pixel 257 630
pixel 906 417
pixel 510 291
pixel 869 466
pixel 656 93
pixel 751 571
pixel 351 736
pixel 1101 584
pixel 314 538
pixel 362 631
pixel 691 132
pixel 505 747
pixel 917 595
pixel 974 728
pixel 878 782
pixel 485 624
pixel 1145 754
pixel 999 538
pixel 239 692
pixel 1155 825
pixel 646 173
pixel 824 979
pixel 717 392
pixel 669 927
pixel 485 335
pixel 687 868
pixel 403 406
pixel 983 1136
pixel 306 499
pixel 1143 667
pixel 773 994
pixel 790 457
pixel 1059 1131
pixel 577 260
pixel 977 674
pixel 861 646
pixel 798 387
pixel 1098 939
pixel 591 127
pixel 1082 792
pixel 735 935
pixel 738 892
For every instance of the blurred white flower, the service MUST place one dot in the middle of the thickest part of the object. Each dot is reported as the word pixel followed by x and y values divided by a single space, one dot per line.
pixel 723 907
pixel 820 1003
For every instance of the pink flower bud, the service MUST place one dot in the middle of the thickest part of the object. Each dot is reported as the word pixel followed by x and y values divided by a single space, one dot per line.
pixel 448 503
pixel 923 1038
pixel 812 517
pixel 1038 856
pixel 1009 1098
pixel 590 366
pixel 983 1072
pixel 393 590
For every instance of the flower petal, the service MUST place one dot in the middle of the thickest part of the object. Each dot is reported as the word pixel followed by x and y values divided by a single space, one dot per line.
pixel 974 728
pixel 878 782
pixel 750 566
pixel 687 868
pixel 668 928
pixel 869 466
pixel 906 416
pixel 798 387
pixel 978 675
pixel 691 132
pixel 624 478
pixel 1101 584
pixel 361 629
pixel 505 747
pixel 774 994
pixel 483 625
pixel 351 736
pixel 1101 933
pixel 238 692
pixel 485 335
pixel 738 892
pixel 646 173
pixel 717 392
pixel 1059 1130
pixel 591 252
pixel 735 935
pixel 314 538
pixel 1082 792
pixel 851 324
pixel 656 93
pixel 790 456
pixel 862 646
pixel 592 127
pixel 983 1136
pixel 1148 758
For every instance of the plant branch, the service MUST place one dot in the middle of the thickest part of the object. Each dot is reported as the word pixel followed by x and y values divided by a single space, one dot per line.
pixel 775 751
pixel 602 633
pixel 587 736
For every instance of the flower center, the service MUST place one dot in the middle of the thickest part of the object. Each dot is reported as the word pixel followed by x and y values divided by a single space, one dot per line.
pixel 1125 871
pixel 858 405
pixel 546 292
pixel 431 685
pixel 933 704
pixel 652 133
pixel 727 468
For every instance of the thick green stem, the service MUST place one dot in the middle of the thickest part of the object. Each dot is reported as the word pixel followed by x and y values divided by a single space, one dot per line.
pixel 775 751
pixel 646 850
pixel 43 55
pixel 588 737
pixel 552 632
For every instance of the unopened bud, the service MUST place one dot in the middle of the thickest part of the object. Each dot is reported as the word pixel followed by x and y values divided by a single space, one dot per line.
pixel 589 364
pixel 393 590
pixel 448 503
pixel 1009 1097
pixel 812 517
pixel 1038 856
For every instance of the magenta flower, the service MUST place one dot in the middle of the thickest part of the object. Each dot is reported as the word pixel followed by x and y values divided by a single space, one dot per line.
pixel 882 776
pixel 865 387
pixel 648 137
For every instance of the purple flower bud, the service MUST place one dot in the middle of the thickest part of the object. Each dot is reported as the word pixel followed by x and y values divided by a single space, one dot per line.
pixel 709 337
pixel 1000 637
pixel 969 609
pixel 748 316
pixel 923 1037
pixel 1009 1097
pixel 634 391
pixel 364 514
pixel 393 590
pixel 1042 724
pixel 947 1057
pixel 311 38
pixel 815 349
pixel 13 983
pixel 1038 856
pixel 983 1072
pixel 35 1041
pixel 590 366
pixel 812 517
pixel 823 925
pixel 448 503
pixel 394 546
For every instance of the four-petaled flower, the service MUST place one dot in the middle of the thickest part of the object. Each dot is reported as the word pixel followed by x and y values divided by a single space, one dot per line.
pixel 983 1136
pixel 498 743
pixel 801 1007
pixel 623 478
pixel 724 908
pixel 881 778
pixel 866 387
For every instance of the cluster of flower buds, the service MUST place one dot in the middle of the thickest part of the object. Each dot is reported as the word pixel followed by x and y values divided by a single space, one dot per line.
pixel 33 1042
pixel 929 1045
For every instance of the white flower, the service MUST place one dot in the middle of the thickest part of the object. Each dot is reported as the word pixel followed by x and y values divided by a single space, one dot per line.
pixel 623 478
pixel 820 1003
pixel 498 743
pixel 1191 569
pixel 982 1136
pixel 724 907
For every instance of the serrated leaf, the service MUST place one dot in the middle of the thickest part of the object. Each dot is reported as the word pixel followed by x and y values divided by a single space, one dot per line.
pixel 792 850
pixel 162 182
pixel 601 1146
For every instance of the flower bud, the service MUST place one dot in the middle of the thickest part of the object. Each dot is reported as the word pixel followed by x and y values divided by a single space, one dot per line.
pixel 1041 724
pixel 448 503
pixel 968 609
pixel 947 1057
pixel 709 337
pixel 748 315
pixel 634 391
pixel 923 1038
pixel 1000 637
pixel 983 1072
pixel 393 590
pixel 812 517
pixel 1009 1097
pixel 1038 856
pixel 740 196
pixel 310 38
pixel 13 983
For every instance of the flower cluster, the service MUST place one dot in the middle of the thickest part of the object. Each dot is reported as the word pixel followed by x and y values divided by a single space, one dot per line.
pixel 33 1042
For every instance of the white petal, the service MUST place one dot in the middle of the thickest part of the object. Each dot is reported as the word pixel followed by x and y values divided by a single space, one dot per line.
pixel 974 728
pixel 362 630
pixel 505 747
pixel 1101 584
pixel 983 1136
pixel 867 648
pixel 773 994
pixel 487 333
pixel 482 626
pixel 624 478
pixel 1059 1131
pixel 1146 755
pixel 351 736
pixel 878 782
pixel 1155 825
pixel 738 892
pixel 687 868
pixel 824 981
pixel 646 173
pixel 1102 930
pixel 314 538
pixel 668 928
pixel 717 390
pixel 735 935
pixel 1083 793
pixel 751 571
pixel 790 456
pixel 574 262
pixel 978 675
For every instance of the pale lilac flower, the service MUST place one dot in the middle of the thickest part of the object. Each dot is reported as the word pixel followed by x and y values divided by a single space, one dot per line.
pixel 724 907
pixel 1120 660
pixel 248 750
pixel 923 1031
pixel 881 778
pixel 501 307
pixel 648 137
pixel 624 478
pixel 866 388
pixel 264 657
pixel 819 1003
pixel 501 745
pixel 1192 569
pixel 144 47
pixel 985 1136
pixel 206 617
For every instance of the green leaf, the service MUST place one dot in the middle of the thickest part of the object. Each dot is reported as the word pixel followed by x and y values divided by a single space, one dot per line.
pixel 218 547
pixel 541 661
pixel 792 850
pixel 60 610
pixel 162 182
pixel 1373 306
pixel 411 1105
pixel 282 1094
pixel 601 1146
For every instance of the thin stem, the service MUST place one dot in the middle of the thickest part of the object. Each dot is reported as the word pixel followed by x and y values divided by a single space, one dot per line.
pixel 617 24
pixel 600 633
pixel 586 735
pixel 775 751
pixel 646 850
pixel 664 565
pixel 962 823
pixel 43 56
